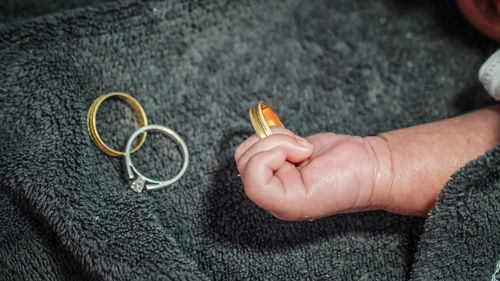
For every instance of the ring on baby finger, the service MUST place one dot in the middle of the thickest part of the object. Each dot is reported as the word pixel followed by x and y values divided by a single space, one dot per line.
pixel 262 118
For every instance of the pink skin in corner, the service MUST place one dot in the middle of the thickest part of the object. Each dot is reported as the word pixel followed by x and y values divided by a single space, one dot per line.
pixel 484 15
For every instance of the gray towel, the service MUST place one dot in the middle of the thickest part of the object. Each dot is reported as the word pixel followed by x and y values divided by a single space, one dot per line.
pixel 354 67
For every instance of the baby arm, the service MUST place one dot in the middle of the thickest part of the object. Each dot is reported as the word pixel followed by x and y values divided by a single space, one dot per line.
pixel 400 171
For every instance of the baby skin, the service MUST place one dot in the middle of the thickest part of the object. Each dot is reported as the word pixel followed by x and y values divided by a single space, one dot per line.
pixel 400 171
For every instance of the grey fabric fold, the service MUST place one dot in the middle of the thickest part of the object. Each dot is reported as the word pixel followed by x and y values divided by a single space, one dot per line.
pixel 461 240
pixel 197 67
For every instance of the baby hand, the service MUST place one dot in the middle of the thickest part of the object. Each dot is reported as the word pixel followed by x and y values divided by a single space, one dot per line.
pixel 296 179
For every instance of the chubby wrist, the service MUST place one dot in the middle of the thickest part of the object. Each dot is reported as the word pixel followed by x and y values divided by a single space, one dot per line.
pixel 384 173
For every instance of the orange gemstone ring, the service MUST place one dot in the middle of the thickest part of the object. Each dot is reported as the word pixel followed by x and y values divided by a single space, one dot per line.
pixel 262 118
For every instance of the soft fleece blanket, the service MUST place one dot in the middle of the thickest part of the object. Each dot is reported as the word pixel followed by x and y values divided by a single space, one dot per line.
pixel 352 67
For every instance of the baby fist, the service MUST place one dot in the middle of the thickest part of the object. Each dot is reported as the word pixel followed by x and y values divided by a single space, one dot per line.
pixel 296 179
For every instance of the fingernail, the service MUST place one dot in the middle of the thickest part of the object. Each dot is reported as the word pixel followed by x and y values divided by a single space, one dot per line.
pixel 303 141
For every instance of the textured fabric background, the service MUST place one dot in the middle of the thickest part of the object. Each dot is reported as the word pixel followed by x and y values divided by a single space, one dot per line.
pixel 18 10
pixel 354 67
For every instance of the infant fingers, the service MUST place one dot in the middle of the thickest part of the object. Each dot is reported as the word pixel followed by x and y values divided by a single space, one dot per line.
pixel 261 186
pixel 296 149
pixel 245 145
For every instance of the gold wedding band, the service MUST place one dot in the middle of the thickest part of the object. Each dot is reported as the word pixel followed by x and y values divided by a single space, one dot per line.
pixel 262 117
pixel 91 123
